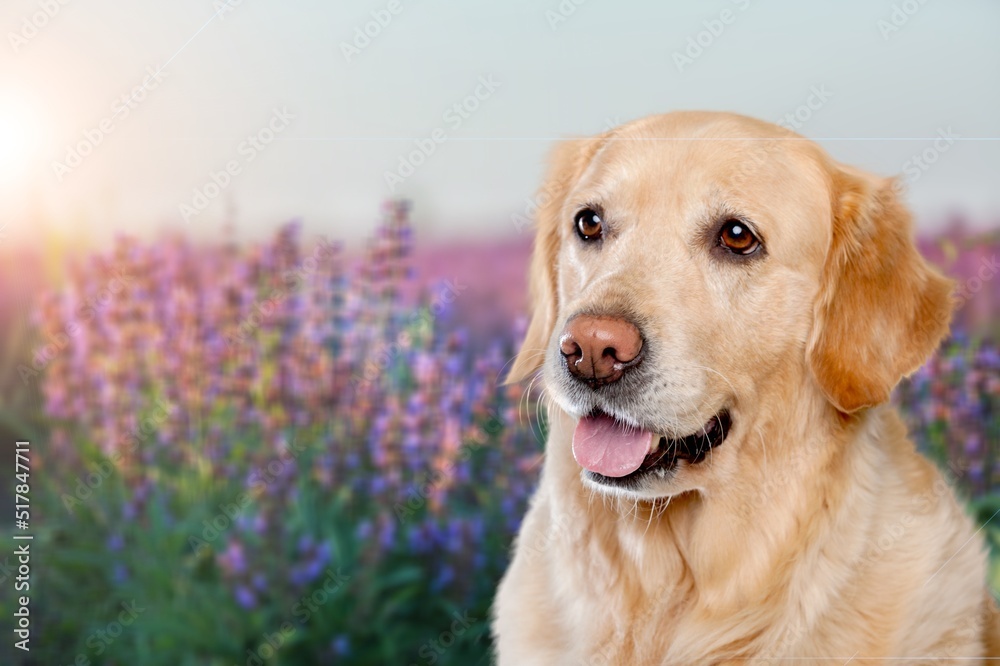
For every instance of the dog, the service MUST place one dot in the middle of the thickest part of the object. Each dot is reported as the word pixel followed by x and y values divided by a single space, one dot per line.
pixel 720 312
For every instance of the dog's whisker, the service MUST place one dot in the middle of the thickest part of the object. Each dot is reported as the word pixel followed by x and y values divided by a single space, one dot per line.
pixel 526 395
pixel 549 404
pixel 763 448
pixel 732 387
pixel 652 511
pixel 533 353
pixel 711 449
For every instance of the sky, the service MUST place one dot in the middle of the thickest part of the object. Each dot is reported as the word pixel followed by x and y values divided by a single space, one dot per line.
pixel 262 111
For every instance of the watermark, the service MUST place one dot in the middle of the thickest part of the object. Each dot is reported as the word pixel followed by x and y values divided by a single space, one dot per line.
pixel 23 613
pixel 421 322
pixel 32 25
pixel 101 471
pixel 788 638
pixel 966 290
pixel 419 494
pixel 562 13
pixel 248 150
pixel 272 642
pixel 922 504
pixel 568 523
pixel 94 136
pixel 365 34
pixel 216 526
pixel 549 190
pixel 777 478
pixel 900 16
pixel 257 483
pixel 919 163
pixel 454 117
pixel 293 279
pixel 223 7
pixel 99 641
pixel 703 40
pixel 984 623
pixel 803 113
pixel 60 340
pixel 431 651
pixel 22 517
pixel 302 611
pixel 754 160
pixel 526 216
pixel 610 654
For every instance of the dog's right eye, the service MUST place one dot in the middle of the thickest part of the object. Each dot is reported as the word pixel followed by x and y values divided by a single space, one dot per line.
pixel 736 237
pixel 589 225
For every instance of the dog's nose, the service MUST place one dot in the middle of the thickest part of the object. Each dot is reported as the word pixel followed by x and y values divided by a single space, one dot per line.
pixel 598 350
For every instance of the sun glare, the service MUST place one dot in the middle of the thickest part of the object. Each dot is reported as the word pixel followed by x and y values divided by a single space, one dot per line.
pixel 21 140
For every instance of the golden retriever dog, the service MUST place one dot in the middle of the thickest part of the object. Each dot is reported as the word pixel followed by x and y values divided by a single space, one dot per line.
pixel 720 312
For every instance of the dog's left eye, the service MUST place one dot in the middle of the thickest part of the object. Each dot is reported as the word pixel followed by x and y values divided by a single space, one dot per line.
pixel 736 237
pixel 589 225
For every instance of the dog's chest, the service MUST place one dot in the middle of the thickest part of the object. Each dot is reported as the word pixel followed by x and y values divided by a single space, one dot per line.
pixel 615 617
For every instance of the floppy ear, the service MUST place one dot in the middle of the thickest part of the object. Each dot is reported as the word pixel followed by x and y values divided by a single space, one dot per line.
pixel 882 310
pixel 567 163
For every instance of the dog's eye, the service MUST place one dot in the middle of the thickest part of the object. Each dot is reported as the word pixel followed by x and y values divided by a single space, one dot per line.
pixel 589 225
pixel 736 237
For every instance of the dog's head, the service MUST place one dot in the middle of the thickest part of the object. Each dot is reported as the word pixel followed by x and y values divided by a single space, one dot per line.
pixel 691 269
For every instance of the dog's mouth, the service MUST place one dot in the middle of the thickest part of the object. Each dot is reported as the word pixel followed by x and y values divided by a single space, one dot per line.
pixel 616 454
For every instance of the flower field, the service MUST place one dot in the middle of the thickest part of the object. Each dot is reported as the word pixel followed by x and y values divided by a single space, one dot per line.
pixel 286 453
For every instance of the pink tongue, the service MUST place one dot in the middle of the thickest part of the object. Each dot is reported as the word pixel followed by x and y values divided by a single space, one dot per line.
pixel 603 445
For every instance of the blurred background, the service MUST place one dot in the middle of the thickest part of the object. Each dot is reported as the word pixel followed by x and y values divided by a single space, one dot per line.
pixel 262 267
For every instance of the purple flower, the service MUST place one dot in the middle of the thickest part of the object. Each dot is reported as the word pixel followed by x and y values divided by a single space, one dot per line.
pixel 245 597
pixel 444 577
pixel 387 534
pixel 341 645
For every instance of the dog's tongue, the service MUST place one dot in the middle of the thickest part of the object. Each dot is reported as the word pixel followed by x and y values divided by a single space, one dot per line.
pixel 606 447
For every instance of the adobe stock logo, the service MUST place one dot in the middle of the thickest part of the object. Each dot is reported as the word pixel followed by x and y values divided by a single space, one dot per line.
pixel 700 42
pixel 562 13
pixel 431 651
pixel 94 136
pixel 795 119
pixel 919 163
pixel 248 149
pixel 364 35
pixel 32 25
pixel 455 116
pixel 900 16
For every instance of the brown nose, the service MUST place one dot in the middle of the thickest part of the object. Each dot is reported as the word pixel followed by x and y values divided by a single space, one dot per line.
pixel 598 350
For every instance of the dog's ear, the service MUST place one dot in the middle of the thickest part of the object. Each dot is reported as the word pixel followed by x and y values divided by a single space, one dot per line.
pixel 568 162
pixel 882 310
